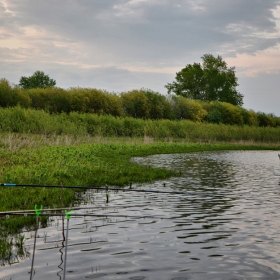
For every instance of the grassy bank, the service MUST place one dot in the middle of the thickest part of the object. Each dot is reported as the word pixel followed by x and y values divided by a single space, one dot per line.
pixel 70 160
pixel 35 159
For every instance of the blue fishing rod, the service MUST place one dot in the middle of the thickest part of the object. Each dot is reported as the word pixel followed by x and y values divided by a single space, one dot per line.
pixel 87 187
pixel 130 189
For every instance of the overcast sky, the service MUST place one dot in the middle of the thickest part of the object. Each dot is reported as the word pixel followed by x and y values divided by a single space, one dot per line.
pixel 119 45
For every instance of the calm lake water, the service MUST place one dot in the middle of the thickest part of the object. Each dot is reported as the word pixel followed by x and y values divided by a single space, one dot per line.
pixel 226 227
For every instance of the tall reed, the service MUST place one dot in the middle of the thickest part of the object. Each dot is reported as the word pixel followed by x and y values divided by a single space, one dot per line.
pixel 20 120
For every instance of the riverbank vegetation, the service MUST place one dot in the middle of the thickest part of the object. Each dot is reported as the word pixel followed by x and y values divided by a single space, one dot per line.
pixel 81 161
pixel 141 104
pixel 83 136
pixel 22 120
pixel 63 159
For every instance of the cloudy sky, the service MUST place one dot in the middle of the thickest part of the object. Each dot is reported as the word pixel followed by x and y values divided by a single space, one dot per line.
pixel 119 45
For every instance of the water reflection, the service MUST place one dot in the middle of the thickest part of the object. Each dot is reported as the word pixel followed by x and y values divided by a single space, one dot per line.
pixel 60 266
pixel 13 250
pixel 206 179
pixel 225 228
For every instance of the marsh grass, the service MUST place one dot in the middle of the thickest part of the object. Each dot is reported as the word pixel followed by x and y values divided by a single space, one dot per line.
pixel 86 125
pixel 17 141
pixel 57 158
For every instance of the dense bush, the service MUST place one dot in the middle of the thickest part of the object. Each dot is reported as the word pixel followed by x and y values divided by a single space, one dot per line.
pixel 222 112
pixel 52 100
pixel 231 114
pixel 145 104
pixel 142 104
pixel 250 117
pixel 87 100
pixel 266 119
pixel 187 109
pixel 136 104
pixel 12 96
pixel 215 116
pixel 160 107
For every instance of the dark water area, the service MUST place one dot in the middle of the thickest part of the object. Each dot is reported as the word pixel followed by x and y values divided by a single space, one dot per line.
pixel 227 226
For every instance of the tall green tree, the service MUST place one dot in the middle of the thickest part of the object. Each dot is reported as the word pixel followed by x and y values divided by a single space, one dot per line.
pixel 211 80
pixel 38 80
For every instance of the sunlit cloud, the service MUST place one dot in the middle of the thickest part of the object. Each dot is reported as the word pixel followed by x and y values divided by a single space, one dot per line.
pixel 267 61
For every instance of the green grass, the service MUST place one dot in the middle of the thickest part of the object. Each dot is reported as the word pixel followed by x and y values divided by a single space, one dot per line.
pixel 83 165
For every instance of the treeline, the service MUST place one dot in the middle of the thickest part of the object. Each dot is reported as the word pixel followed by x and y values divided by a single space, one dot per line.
pixel 143 104
pixel 21 120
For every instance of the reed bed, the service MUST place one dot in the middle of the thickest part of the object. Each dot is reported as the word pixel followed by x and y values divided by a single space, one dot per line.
pixel 30 121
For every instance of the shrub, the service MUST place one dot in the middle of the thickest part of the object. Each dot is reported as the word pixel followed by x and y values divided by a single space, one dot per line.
pixel 12 96
pixel 53 100
pixel 159 106
pixel 231 114
pixel 188 109
pixel 266 119
pixel 249 117
pixel 222 112
pixel 215 116
pixel 136 104
pixel 87 100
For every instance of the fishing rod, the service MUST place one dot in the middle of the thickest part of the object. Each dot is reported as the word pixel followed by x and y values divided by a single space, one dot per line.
pixel 73 208
pixel 87 187
pixel 99 188
pixel 84 215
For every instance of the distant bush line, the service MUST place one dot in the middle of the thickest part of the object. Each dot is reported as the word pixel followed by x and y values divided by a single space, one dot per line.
pixel 21 120
pixel 141 104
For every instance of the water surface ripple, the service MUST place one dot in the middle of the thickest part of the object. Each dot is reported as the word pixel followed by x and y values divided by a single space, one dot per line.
pixel 227 227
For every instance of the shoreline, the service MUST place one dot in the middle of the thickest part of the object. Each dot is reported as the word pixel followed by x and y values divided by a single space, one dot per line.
pixel 85 161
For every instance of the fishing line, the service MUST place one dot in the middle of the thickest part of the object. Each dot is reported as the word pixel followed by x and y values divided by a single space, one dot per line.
pixel 37 213
pixel 83 215
pixel 103 188
pixel 74 208
pixel 68 216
